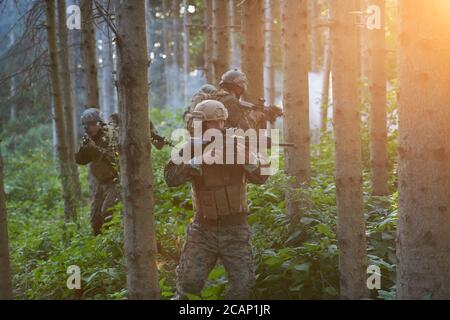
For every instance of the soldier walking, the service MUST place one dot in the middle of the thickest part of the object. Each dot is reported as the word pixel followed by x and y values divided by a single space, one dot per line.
pixel 99 151
pixel 219 229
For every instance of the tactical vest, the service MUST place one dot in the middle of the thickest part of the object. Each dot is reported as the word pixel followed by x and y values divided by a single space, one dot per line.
pixel 103 169
pixel 220 191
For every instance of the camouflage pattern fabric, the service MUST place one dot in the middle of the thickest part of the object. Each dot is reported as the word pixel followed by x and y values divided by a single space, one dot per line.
pixel 205 244
pixel 105 197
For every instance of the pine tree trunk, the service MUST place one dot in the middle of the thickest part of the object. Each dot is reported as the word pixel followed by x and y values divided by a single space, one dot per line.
pixel 296 98
pixel 325 88
pixel 109 89
pixel 89 50
pixel 208 34
pixel 135 157
pixel 176 52
pixel 68 189
pixel 75 59
pixel 66 91
pixel 234 22
pixel 253 47
pixel 221 38
pixel 423 238
pixel 167 51
pixel 313 15
pixel 348 163
pixel 186 60
pixel 377 87
pixel 12 84
pixel 5 269
pixel 271 15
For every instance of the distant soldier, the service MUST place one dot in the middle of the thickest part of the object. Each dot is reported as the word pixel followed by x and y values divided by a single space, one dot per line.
pixel 99 150
pixel 206 92
pixel 233 85
pixel 219 229
pixel 156 139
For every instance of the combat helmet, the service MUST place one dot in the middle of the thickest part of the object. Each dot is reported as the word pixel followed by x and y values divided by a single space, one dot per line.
pixel 91 115
pixel 210 110
pixel 234 77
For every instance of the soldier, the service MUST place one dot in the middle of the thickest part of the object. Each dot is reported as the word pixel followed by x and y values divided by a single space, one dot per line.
pixel 219 229
pixel 233 85
pixel 205 93
pixel 99 150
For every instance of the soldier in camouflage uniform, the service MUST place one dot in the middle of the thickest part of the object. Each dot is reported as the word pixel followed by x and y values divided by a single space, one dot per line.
pixel 99 150
pixel 219 229
pixel 233 85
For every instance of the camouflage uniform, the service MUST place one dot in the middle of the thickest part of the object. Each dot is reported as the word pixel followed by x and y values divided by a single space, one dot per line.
pixel 239 116
pixel 219 230
pixel 102 159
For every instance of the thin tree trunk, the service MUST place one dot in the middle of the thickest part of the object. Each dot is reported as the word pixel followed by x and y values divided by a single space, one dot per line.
pixel 5 269
pixel 167 52
pixel 296 98
pixel 109 89
pixel 348 162
pixel 67 188
pixel 423 238
pixel 253 47
pixel 325 88
pixel 314 11
pixel 89 50
pixel 271 15
pixel 135 159
pixel 12 84
pixel 75 53
pixel 176 52
pixel 221 38
pixel 186 60
pixel 234 22
pixel 66 91
pixel 208 34
pixel 377 87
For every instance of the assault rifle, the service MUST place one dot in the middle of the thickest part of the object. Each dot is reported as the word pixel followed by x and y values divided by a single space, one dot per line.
pixel 271 112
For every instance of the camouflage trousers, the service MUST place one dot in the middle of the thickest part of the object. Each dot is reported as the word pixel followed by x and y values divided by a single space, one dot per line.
pixel 106 195
pixel 206 244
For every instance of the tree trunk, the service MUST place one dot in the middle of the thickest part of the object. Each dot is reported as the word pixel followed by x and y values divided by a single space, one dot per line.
pixel 271 16
pixel 66 91
pixel 376 72
pixel 348 162
pixel 186 60
pixel 234 22
pixel 5 269
pixel 221 38
pixel 108 88
pixel 67 188
pixel 253 47
pixel 77 85
pixel 325 88
pixel 314 12
pixel 167 52
pixel 423 238
pixel 209 66
pixel 176 52
pixel 296 98
pixel 12 84
pixel 135 159
pixel 89 50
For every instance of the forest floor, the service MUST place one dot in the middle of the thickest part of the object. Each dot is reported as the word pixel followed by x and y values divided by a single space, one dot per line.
pixel 296 260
